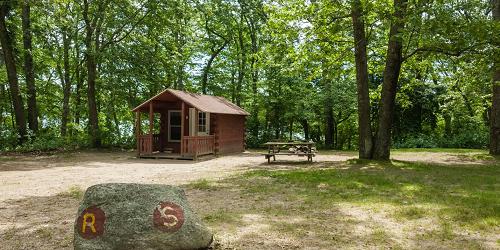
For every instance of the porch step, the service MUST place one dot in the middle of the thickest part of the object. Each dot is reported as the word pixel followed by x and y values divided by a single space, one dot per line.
pixel 168 150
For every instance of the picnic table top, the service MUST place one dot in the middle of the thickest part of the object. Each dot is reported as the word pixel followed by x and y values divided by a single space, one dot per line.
pixel 271 143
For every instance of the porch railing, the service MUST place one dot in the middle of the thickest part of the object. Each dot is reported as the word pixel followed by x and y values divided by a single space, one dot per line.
pixel 198 145
pixel 145 144
pixel 149 143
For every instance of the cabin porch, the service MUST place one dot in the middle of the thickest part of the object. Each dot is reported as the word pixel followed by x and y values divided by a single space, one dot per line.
pixel 175 130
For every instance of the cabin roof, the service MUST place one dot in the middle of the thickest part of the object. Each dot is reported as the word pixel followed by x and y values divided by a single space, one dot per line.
pixel 205 103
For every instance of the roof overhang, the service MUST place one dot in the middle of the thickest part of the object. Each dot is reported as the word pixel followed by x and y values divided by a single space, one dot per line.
pixel 204 103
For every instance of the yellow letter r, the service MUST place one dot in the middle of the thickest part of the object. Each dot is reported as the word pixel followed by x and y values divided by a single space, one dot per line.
pixel 92 221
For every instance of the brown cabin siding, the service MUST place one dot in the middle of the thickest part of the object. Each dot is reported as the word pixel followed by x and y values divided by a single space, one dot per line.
pixel 229 133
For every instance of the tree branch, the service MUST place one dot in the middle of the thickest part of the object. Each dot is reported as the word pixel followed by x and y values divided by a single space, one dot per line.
pixel 114 37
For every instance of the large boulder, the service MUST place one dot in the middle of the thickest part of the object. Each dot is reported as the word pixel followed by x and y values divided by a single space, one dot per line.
pixel 138 216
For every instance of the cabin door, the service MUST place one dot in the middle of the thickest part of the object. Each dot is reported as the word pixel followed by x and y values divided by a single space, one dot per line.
pixel 174 126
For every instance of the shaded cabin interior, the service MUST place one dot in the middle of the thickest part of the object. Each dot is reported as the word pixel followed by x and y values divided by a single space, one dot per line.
pixel 186 125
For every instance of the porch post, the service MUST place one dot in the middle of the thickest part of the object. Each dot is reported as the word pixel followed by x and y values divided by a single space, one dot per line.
pixel 183 117
pixel 138 132
pixel 151 126
pixel 196 133
pixel 151 116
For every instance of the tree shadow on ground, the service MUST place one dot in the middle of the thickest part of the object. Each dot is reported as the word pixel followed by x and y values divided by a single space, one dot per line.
pixel 38 222
pixel 356 204
pixel 88 159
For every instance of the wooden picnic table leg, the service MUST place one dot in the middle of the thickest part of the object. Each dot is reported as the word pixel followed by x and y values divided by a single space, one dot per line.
pixel 268 156
pixel 274 154
pixel 308 153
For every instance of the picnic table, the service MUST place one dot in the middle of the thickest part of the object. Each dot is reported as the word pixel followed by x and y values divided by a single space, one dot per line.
pixel 290 148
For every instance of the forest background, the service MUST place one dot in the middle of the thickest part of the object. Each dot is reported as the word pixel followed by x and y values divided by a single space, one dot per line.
pixel 365 75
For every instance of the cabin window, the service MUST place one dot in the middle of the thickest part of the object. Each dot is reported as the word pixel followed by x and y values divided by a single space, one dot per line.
pixel 203 123
pixel 174 125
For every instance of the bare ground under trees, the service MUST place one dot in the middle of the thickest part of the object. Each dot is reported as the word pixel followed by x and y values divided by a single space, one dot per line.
pixel 39 196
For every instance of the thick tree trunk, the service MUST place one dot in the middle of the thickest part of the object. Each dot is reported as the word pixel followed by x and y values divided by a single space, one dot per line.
pixel 206 70
pixel 393 63
pixel 91 79
pixel 10 64
pixel 28 68
pixel 495 107
pixel 365 142
pixel 330 127
pixel 66 84
pixel 254 117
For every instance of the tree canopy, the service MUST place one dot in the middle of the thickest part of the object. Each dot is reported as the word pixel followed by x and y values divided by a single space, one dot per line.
pixel 351 74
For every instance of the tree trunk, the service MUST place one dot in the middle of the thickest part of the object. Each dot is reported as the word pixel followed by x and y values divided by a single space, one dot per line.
pixel 28 68
pixel 241 63
pixel 233 85
pixel 495 107
pixel 335 134
pixel 447 125
pixel 305 126
pixel 206 70
pixel 329 132
pixel 179 83
pixel 365 142
pixel 254 117
pixel 66 83
pixel 79 83
pixel 393 63
pixel 2 103
pixel 10 64
pixel 91 79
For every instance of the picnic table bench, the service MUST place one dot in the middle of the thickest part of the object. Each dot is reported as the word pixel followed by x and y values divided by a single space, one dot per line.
pixel 289 148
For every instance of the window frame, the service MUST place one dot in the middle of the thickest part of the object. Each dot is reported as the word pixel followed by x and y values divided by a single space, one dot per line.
pixel 206 124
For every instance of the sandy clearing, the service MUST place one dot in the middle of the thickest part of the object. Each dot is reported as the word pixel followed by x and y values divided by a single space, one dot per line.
pixel 25 176
pixel 36 183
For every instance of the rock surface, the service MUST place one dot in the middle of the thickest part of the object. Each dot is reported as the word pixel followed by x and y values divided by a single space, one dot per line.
pixel 138 216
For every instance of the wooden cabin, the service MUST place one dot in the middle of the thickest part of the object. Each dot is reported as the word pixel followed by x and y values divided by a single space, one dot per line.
pixel 185 125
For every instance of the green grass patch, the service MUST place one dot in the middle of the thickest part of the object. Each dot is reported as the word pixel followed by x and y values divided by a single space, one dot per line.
pixel 411 213
pixel 221 216
pixel 379 235
pixel 465 195
pixel 202 184
pixel 440 150
pixel 75 192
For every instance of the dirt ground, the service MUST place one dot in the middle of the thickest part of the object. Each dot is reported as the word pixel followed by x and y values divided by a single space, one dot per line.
pixel 39 195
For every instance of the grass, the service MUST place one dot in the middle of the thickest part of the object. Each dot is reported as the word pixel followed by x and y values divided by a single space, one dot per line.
pixel 44 233
pixel 395 150
pixel 75 192
pixel 379 235
pixel 433 203
pixel 440 150
pixel 467 195
pixel 411 213
pixel 222 216
pixel 202 184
